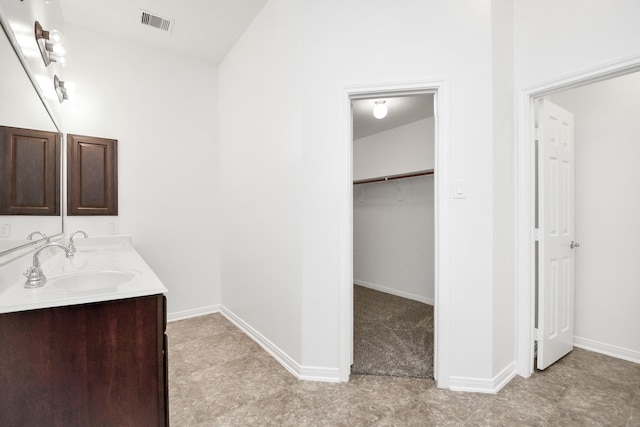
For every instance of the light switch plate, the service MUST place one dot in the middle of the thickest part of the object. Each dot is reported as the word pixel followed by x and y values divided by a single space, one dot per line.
pixel 459 190
pixel 5 230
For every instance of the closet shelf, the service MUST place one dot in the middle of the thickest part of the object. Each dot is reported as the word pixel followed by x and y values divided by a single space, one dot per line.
pixel 392 177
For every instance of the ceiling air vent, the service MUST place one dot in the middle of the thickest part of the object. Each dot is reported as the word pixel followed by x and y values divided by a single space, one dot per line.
pixel 152 20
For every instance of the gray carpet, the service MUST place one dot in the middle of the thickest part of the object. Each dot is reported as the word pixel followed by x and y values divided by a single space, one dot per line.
pixel 392 335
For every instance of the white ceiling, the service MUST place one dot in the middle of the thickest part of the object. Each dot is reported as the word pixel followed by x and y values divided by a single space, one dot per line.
pixel 402 110
pixel 206 29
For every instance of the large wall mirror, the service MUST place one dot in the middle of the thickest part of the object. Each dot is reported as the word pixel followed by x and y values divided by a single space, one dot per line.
pixel 22 106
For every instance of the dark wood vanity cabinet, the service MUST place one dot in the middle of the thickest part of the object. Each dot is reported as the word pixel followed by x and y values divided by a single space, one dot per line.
pixel 99 364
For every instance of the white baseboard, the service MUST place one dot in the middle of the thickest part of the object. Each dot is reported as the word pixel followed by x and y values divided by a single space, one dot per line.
pixel 309 373
pixel 186 314
pixel 328 375
pixel 395 292
pixel 608 349
pixel 483 385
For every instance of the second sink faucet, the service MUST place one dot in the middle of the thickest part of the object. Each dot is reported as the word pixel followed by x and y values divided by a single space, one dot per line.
pixel 72 246
pixel 34 274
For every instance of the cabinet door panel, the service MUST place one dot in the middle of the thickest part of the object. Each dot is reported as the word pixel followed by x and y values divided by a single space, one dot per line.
pixel 92 175
pixel 93 364
pixel 29 172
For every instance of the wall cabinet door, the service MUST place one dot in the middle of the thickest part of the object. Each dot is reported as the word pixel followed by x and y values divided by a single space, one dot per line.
pixel 29 172
pixel 92 175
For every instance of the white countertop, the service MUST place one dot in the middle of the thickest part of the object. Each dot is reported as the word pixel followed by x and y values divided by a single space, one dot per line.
pixel 110 254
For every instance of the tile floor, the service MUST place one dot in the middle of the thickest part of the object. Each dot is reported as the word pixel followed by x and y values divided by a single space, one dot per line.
pixel 220 377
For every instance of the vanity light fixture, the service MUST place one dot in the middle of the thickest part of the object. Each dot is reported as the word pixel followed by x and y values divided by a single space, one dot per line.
pixel 380 109
pixel 63 89
pixel 49 45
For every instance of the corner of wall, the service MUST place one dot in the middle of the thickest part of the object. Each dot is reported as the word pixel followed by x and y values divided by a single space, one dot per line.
pixel 484 385
pixel 308 373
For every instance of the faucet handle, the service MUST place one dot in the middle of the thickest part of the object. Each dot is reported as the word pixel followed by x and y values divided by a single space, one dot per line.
pixel 35 277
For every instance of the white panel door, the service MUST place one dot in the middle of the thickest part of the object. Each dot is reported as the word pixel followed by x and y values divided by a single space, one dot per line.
pixel 556 223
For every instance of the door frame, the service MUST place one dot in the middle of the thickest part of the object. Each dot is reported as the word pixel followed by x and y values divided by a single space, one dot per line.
pixel 442 196
pixel 525 195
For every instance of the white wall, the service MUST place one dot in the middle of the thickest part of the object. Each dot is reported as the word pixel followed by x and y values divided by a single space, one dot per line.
pixel 554 39
pixel 162 109
pixel 403 149
pixel 503 308
pixel 280 218
pixel 393 222
pixel 393 237
pixel 261 179
pixel 607 135
pixel 419 41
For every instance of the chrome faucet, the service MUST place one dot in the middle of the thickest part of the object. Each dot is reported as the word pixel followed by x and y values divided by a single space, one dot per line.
pixel 72 247
pixel 35 276
pixel 44 236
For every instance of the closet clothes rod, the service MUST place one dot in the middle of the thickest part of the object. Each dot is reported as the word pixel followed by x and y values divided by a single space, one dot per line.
pixel 391 177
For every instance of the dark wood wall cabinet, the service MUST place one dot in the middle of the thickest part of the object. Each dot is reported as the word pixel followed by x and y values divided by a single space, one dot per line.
pixel 29 172
pixel 99 364
pixel 92 175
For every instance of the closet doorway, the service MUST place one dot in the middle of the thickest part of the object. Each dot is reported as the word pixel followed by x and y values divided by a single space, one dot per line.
pixel 394 234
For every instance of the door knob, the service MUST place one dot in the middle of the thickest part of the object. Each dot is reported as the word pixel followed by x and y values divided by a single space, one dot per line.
pixel 574 244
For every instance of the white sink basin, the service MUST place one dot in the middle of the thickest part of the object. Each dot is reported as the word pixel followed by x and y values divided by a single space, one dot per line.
pixel 91 280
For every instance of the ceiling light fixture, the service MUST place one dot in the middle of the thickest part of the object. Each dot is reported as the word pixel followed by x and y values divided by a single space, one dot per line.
pixel 64 90
pixel 380 109
pixel 49 45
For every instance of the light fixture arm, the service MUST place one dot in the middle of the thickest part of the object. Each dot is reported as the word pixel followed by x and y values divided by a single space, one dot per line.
pixel 50 51
pixel 40 32
pixel 61 90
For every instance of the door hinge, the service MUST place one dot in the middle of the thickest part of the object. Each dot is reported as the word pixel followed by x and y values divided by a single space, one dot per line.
pixel 536 134
pixel 536 234
pixel 536 334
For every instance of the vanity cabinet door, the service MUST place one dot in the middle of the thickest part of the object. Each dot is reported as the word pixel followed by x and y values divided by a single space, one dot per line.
pixel 165 360
pixel 100 364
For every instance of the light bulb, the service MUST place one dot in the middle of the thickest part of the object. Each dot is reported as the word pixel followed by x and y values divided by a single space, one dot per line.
pixel 70 87
pixel 380 110
pixel 55 36
pixel 59 50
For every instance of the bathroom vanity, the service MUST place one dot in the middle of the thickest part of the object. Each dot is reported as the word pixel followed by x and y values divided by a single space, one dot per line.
pixel 89 347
